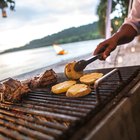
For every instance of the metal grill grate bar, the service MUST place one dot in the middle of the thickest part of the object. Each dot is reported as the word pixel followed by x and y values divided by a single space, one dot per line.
pixel 78 109
pixel 82 104
pixel 33 120
pixel 50 131
pixel 47 95
pixel 58 99
pixel 12 134
pixel 50 115
pixel 24 131
pixel 60 111
pixel 4 138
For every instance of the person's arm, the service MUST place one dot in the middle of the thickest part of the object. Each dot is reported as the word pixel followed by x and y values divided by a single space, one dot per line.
pixel 125 34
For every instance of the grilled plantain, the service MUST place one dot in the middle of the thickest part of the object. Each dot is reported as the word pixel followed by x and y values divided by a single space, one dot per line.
pixel 62 87
pixel 71 73
pixel 78 90
pixel 90 78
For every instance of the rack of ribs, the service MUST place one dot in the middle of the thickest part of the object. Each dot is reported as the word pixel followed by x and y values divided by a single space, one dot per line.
pixel 13 90
pixel 45 79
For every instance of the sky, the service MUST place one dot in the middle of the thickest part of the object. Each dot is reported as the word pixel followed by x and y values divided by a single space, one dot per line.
pixel 34 19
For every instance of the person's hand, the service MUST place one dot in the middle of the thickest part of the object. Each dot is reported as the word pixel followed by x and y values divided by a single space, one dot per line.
pixel 106 47
pixel 125 34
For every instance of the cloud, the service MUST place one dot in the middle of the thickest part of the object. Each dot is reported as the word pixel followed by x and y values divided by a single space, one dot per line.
pixel 38 18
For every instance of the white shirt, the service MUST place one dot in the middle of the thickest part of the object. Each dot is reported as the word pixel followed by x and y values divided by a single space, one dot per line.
pixel 133 18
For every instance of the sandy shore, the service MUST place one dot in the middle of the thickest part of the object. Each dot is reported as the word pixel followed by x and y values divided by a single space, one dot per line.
pixel 122 56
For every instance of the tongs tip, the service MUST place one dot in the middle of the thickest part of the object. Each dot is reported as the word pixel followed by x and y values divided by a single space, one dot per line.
pixel 80 65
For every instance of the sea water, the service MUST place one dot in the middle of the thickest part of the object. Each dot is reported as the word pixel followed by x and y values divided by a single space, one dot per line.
pixel 16 63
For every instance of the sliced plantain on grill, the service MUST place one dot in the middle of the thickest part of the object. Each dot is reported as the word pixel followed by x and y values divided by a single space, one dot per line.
pixel 78 90
pixel 62 87
pixel 90 78
pixel 71 73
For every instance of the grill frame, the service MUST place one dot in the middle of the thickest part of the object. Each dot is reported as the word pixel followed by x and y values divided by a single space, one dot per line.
pixel 67 112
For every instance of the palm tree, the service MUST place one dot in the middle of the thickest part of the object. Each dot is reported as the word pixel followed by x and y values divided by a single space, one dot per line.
pixel 119 12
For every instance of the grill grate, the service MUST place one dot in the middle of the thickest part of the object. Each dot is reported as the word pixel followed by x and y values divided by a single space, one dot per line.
pixel 43 115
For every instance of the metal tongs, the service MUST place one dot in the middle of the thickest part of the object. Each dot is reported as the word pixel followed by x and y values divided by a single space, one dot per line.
pixel 80 65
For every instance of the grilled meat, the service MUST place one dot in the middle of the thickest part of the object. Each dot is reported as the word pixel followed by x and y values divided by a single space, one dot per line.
pixel 2 87
pixel 34 83
pixel 49 77
pixel 13 90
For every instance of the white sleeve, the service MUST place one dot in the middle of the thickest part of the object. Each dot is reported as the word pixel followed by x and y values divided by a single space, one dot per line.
pixel 133 18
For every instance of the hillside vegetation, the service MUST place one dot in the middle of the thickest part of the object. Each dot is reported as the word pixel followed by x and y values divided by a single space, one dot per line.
pixel 74 34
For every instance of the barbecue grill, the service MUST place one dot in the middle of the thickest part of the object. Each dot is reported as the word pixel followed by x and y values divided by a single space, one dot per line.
pixel 43 115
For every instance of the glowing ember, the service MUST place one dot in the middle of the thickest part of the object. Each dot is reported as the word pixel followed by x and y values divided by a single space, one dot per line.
pixel 59 50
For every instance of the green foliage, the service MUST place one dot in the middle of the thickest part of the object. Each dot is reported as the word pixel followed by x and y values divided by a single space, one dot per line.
pixel 86 32
pixel 101 11
pixel 5 4
pixel 119 10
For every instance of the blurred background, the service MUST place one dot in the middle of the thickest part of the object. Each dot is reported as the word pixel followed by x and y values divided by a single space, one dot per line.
pixel 40 34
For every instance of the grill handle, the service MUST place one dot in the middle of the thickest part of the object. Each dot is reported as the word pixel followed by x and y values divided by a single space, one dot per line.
pixel 99 81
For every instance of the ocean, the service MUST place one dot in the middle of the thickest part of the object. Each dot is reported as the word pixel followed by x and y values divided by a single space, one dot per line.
pixel 16 63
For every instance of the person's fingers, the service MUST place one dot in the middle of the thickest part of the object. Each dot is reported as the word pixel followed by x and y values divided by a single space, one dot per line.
pixel 104 56
pixel 100 48
pixel 108 50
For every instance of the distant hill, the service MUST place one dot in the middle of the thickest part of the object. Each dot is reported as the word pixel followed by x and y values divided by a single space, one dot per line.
pixel 74 34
